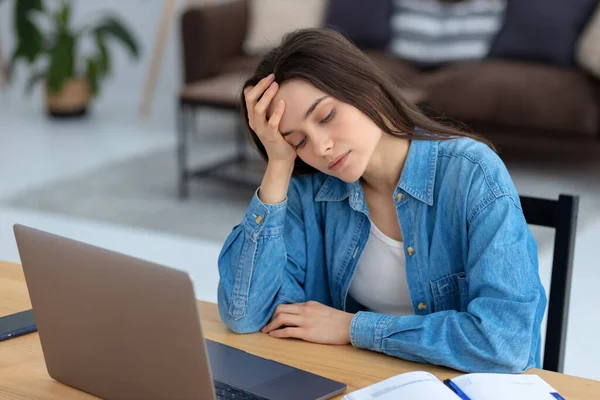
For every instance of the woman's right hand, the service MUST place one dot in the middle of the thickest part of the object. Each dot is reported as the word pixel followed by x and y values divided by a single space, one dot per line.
pixel 278 149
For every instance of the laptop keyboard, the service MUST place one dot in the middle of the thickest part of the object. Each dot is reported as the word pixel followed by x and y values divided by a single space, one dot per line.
pixel 226 392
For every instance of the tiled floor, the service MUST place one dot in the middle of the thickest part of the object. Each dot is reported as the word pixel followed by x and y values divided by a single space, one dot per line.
pixel 34 151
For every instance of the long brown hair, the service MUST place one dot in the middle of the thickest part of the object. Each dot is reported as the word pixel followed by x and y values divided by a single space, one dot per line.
pixel 327 60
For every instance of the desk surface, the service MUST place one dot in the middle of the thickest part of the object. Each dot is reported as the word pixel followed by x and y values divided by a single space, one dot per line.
pixel 23 373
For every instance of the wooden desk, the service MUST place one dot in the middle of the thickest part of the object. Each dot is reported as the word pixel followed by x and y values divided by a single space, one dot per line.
pixel 23 373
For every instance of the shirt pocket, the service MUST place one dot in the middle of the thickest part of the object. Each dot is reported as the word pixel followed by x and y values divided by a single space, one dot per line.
pixel 450 292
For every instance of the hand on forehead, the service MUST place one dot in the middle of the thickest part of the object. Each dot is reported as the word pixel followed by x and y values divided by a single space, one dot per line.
pixel 298 96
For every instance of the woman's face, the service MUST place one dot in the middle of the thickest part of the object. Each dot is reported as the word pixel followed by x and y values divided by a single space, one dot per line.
pixel 329 135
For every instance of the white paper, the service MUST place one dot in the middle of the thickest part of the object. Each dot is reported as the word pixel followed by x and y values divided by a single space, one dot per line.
pixel 412 385
pixel 503 387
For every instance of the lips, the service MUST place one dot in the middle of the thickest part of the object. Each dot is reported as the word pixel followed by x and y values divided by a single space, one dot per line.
pixel 332 165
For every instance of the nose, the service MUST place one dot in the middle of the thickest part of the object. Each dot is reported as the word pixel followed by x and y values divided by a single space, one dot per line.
pixel 322 144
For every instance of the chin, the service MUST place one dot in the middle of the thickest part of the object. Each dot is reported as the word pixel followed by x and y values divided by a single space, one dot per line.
pixel 349 173
pixel 348 176
pixel 348 180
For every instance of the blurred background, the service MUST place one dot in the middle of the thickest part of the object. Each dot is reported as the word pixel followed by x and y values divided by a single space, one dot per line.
pixel 119 123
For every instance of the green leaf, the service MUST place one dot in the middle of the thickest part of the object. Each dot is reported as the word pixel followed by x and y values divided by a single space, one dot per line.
pixel 26 5
pixel 92 75
pixel 33 79
pixel 111 26
pixel 23 7
pixel 62 62
pixel 64 15
pixel 30 42
pixel 103 58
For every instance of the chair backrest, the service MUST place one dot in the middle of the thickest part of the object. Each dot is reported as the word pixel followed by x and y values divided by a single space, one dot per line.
pixel 560 214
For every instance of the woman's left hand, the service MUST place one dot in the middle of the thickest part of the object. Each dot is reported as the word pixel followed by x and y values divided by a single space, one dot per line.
pixel 311 321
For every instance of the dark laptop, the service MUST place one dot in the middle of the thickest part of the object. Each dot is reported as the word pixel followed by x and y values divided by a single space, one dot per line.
pixel 122 328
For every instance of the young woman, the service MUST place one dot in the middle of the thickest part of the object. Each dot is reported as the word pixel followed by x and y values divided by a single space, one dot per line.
pixel 375 225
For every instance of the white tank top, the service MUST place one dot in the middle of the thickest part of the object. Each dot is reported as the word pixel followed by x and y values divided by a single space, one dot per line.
pixel 379 282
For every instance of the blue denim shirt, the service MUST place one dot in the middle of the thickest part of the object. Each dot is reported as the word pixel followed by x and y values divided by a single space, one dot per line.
pixel 471 261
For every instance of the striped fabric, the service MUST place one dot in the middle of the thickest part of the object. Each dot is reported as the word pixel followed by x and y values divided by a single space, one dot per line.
pixel 430 32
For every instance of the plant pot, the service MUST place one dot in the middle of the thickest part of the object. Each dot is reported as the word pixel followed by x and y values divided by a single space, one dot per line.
pixel 71 100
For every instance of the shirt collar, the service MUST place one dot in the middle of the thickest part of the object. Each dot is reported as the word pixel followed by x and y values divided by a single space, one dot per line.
pixel 417 179
pixel 418 174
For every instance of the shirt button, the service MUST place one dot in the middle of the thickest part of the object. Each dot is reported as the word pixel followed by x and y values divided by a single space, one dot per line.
pixel 410 251
pixel 259 220
pixel 399 197
pixel 422 306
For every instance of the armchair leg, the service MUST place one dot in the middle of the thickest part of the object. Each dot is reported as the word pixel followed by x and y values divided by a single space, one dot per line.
pixel 182 113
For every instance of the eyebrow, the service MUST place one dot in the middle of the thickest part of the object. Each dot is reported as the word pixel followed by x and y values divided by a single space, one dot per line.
pixel 307 114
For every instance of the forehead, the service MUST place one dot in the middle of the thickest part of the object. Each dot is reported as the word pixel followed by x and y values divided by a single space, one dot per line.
pixel 298 96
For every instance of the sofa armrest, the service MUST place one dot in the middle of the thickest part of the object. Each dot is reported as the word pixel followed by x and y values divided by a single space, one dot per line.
pixel 211 35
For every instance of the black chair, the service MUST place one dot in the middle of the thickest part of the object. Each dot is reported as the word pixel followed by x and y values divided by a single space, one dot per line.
pixel 560 214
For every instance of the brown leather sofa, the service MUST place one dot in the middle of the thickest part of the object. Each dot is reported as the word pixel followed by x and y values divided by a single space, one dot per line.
pixel 497 98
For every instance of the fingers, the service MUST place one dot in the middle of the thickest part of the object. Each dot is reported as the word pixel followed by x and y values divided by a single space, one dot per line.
pixel 295 309
pixel 285 315
pixel 282 320
pixel 297 333
pixel 260 109
pixel 252 94
pixel 276 117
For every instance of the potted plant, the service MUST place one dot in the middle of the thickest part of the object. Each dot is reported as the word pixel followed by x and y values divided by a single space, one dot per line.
pixel 71 77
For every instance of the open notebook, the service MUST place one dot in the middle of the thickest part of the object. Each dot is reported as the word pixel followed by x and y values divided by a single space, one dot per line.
pixel 423 385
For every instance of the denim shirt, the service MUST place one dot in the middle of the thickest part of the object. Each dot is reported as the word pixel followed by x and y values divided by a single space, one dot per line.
pixel 471 261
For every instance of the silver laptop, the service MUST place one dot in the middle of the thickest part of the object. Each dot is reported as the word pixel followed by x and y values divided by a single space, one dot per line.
pixel 123 328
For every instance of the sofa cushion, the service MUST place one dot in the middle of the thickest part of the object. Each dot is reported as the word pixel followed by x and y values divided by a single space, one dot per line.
pixel 366 23
pixel 515 94
pixel 542 30
pixel 270 20
pixel 431 32
pixel 588 51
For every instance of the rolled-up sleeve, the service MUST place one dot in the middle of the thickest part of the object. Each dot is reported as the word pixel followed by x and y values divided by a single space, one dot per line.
pixel 259 268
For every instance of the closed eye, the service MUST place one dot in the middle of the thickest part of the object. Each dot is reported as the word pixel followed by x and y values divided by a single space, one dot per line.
pixel 328 117
pixel 301 144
